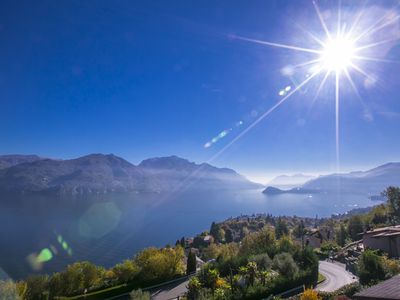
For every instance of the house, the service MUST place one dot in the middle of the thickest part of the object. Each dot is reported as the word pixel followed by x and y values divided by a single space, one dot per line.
pixel 315 238
pixel 386 290
pixel 386 239
pixel 208 239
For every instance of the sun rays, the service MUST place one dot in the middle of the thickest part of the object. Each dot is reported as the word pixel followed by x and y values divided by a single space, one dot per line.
pixel 340 54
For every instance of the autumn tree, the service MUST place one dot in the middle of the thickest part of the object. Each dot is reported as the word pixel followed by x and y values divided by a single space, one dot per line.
pixel 126 271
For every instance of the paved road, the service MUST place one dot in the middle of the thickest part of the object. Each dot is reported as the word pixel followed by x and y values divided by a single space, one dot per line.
pixel 336 276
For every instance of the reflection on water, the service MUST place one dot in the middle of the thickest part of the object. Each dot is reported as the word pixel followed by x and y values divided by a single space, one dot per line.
pixel 109 228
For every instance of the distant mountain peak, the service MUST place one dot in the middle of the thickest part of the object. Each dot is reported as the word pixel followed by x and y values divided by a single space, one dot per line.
pixel 290 181
pixel 172 162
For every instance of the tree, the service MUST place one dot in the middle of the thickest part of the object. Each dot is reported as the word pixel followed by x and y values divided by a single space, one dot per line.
pixel 228 235
pixel 285 265
pixel 341 236
pixel 281 228
pixel 191 263
pixel 157 265
pixel 82 275
pixel 393 197
pixel 285 244
pixel 182 242
pixel 380 214
pixel 259 242
pixel 36 287
pixel 214 230
pixel 308 261
pixel 139 295
pixel 370 267
pixel 8 290
pixel 299 230
pixel 126 271
pixel 355 227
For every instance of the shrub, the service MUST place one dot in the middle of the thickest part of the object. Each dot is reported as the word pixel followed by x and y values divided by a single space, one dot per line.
pixel 8 290
pixel 263 261
pixel 370 267
pixel 309 294
pixel 139 295
pixel 348 290
pixel 285 265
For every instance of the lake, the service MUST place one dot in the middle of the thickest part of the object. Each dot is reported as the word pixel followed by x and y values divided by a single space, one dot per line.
pixel 109 228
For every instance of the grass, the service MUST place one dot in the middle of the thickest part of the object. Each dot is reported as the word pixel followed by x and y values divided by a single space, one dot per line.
pixel 321 278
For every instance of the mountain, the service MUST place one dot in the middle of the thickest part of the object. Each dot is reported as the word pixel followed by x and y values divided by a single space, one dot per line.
pixel 95 172
pixel 289 181
pixel 7 161
pixel 371 182
pixel 99 173
pixel 170 172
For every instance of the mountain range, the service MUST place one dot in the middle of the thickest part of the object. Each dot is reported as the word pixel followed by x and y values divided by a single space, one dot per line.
pixel 371 182
pixel 99 173
pixel 289 181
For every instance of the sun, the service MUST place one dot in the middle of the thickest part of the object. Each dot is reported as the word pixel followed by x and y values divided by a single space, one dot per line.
pixel 346 44
pixel 337 54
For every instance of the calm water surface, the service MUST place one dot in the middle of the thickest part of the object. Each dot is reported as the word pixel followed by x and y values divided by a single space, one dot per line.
pixel 108 229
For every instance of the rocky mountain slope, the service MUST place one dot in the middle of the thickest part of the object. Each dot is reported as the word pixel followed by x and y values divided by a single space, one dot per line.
pixel 99 173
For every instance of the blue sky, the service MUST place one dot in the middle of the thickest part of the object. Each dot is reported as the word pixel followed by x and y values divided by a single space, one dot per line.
pixel 164 77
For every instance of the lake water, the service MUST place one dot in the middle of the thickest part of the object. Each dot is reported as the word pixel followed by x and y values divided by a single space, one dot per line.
pixel 108 229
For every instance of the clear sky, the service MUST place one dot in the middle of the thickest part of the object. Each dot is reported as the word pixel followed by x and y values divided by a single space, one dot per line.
pixel 156 78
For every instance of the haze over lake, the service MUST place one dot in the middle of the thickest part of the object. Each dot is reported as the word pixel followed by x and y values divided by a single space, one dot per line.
pixel 107 229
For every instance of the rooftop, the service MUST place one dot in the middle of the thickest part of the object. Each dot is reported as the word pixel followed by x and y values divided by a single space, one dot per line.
pixel 386 290
pixel 383 229
pixel 385 234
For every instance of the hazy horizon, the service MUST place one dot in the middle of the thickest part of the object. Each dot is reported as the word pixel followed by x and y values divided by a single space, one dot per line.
pixel 257 177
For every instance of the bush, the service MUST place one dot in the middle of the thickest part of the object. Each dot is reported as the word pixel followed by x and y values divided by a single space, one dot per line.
pixel 139 295
pixel 309 294
pixel 348 290
pixel 8 290
pixel 263 261
pixel 370 268
pixel 285 265
pixel 232 264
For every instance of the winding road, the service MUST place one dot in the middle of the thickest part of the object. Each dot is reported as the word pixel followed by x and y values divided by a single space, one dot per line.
pixel 335 273
pixel 336 276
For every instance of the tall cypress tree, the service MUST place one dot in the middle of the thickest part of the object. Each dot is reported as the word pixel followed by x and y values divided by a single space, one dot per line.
pixel 191 263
